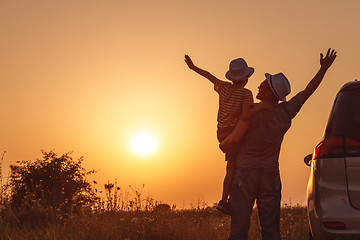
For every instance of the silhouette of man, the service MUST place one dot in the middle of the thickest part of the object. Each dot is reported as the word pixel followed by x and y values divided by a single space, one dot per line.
pixel 257 175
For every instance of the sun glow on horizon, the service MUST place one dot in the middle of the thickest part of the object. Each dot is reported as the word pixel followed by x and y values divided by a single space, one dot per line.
pixel 143 143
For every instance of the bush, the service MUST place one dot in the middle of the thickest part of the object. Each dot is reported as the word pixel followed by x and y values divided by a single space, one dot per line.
pixel 53 182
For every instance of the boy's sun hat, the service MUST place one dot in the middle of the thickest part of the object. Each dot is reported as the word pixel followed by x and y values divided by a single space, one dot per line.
pixel 279 85
pixel 239 70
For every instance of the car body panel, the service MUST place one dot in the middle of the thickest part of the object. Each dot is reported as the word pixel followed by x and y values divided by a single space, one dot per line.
pixel 328 200
pixel 353 178
pixel 333 191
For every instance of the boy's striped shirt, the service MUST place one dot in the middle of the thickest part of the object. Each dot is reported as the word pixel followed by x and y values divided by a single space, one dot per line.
pixel 231 100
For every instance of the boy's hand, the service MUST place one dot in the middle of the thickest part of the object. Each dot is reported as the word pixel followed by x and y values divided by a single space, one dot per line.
pixel 189 62
pixel 326 61
pixel 200 71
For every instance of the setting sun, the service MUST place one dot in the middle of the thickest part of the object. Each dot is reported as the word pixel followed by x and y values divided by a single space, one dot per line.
pixel 143 143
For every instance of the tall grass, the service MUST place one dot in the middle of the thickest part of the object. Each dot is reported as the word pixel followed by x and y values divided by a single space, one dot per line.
pixel 194 224
pixel 131 216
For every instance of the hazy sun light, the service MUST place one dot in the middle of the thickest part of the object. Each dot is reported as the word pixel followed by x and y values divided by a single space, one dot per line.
pixel 143 143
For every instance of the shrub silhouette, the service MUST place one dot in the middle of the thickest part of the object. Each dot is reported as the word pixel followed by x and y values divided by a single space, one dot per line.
pixel 56 182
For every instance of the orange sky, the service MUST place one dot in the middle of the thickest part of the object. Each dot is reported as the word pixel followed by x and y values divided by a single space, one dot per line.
pixel 86 75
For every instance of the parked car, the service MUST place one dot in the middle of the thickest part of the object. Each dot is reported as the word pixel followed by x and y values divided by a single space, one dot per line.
pixel 333 191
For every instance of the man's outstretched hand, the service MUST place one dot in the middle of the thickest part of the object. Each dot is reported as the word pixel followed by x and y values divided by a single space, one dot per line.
pixel 325 63
pixel 328 59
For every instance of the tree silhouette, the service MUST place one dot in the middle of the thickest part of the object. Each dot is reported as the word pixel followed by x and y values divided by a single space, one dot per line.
pixel 53 181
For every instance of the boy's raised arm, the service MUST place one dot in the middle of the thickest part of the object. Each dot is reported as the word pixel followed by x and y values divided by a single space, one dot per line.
pixel 202 72
pixel 325 63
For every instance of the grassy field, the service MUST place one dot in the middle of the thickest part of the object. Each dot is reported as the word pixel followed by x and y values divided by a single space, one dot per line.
pixel 52 199
pixel 145 225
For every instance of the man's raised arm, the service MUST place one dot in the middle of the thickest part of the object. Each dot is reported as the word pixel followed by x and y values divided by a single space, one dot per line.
pixel 325 63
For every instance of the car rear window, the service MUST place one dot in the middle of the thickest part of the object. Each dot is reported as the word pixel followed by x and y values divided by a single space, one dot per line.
pixel 344 118
pixel 355 107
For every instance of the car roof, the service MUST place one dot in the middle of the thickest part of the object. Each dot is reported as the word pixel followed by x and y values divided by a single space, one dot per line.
pixel 350 86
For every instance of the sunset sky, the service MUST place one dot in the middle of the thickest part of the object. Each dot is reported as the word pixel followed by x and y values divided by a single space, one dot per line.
pixel 87 76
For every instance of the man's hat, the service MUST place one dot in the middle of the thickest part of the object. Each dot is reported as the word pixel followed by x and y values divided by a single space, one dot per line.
pixel 239 70
pixel 279 84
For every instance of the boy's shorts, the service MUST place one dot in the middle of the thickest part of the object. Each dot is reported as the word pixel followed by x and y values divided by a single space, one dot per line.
pixel 222 133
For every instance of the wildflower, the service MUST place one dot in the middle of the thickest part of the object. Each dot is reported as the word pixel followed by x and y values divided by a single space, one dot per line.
pixel 109 186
